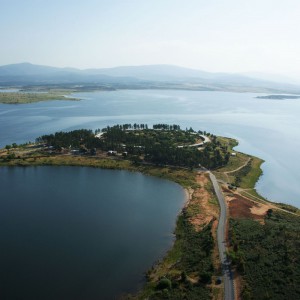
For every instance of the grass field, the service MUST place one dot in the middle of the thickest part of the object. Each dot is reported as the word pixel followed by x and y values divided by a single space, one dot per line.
pixel 254 173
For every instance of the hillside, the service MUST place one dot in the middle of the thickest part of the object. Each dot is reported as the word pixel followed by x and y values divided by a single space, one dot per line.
pixel 139 77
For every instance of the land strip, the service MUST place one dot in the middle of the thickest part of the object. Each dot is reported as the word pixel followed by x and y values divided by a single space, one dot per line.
pixel 32 97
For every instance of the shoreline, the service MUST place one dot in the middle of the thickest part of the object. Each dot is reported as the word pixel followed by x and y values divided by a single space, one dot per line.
pixel 105 163
pixel 188 196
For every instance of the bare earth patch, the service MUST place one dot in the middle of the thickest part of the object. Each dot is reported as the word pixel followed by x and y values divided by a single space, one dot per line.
pixel 243 207
pixel 203 211
pixel 200 198
pixel 240 207
pixel 260 209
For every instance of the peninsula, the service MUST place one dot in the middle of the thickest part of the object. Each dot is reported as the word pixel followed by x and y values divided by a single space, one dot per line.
pixel 216 178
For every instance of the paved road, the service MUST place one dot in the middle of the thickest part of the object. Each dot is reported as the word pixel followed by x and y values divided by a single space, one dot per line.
pixel 227 273
pixel 205 140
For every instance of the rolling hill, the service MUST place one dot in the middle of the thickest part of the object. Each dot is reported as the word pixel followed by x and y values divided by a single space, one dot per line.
pixel 149 76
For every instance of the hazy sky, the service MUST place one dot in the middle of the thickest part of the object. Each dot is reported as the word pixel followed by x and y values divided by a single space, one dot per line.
pixel 212 35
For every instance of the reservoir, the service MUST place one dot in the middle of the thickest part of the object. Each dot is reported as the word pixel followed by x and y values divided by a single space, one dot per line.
pixel 266 128
pixel 81 233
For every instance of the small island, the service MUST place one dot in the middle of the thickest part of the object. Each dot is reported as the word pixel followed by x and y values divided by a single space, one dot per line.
pixel 262 243
pixel 279 97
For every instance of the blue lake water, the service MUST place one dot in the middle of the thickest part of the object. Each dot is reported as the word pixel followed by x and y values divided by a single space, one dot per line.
pixel 266 128
pixel 81 233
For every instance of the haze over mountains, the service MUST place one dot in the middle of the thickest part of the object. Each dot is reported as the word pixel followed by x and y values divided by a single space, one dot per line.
pixel 150 76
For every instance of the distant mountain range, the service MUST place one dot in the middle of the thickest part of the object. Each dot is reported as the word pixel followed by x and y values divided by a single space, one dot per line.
pixel 151 76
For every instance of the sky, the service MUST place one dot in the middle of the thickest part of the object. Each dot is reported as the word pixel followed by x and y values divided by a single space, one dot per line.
pixel 212 35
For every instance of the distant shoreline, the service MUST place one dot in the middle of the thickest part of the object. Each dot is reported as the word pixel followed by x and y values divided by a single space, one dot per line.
pixel 279 97
pixel 26 95
pixel 33 97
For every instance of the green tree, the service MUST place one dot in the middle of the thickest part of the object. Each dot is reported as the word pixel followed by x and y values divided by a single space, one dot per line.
pixel 164 283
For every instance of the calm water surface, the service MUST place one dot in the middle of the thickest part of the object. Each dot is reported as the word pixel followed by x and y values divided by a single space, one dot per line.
pixel 81 233
pixel 266 128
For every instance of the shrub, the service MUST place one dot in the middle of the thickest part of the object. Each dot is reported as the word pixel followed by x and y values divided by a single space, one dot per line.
pixel 164 283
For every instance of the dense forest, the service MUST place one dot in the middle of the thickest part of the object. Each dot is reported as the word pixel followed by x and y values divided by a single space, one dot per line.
pixel 162 145
pixel 267 256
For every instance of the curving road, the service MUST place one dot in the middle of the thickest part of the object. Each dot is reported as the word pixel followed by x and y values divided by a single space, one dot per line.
pixel 227 273
pixel 205 141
